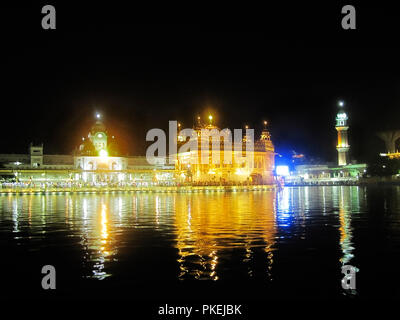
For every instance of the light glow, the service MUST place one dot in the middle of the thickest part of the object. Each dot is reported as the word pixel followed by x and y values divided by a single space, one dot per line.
pixel 282 171
pixel 103 153
pixel 342 116
pixel 240 172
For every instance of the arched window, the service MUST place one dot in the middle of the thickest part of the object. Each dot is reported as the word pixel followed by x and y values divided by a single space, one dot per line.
pixel 90 166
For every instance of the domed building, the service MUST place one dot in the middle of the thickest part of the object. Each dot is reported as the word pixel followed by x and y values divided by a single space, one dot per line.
pixel 97 161
pixel 344 171
pixel 243 161
pixel 94 158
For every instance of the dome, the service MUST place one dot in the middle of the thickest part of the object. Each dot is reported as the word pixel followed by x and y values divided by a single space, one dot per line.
pixel 342 116
pixel 86 148
pixel 98 127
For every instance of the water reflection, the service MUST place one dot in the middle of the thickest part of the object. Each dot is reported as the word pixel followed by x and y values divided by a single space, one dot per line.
pixel 15 217
pixel 242 229
pixel 98 241
pixel 345 228
pixel 210 236
pixel 284 210
pixel 233 226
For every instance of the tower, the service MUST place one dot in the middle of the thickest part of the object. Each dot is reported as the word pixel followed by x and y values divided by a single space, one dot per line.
pixel 98 135
pixel 342 141
pixel 266 138
pixel 36 153
pixel 268 165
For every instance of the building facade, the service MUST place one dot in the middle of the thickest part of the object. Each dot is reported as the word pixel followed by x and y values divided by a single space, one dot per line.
pixel 342 140
pixel 96 161
pixel 218 159
pixel 344 172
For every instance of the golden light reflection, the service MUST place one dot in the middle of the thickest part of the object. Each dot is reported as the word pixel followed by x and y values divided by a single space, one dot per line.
pixel 99 243
pixel 221 224
pixel 233 230
pixel 345 226
pixel 66 209
pixel 30 211
pixel 85 211
pixel 158 205
pixel 104 221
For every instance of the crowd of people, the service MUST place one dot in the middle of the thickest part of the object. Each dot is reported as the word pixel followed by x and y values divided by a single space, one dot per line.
pixel 121 184
pixel 78 184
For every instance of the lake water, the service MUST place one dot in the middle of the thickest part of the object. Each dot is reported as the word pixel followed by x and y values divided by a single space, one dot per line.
pixel 235 245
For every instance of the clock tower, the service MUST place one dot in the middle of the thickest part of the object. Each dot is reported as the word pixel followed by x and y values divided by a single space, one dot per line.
pixel 342 139
pixel 98 135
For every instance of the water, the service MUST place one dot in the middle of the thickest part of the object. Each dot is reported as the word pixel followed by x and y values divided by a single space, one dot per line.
pixel 166 246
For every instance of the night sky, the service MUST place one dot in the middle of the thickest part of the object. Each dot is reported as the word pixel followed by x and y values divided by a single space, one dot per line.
pixel 141 67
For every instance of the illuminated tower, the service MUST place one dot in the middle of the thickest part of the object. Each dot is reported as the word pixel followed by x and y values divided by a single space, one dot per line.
pixel 268 165
pixel 266 139
pixel 342 142
pixel 98 135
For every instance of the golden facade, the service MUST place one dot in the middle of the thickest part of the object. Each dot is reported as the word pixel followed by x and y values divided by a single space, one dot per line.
pixel 253 165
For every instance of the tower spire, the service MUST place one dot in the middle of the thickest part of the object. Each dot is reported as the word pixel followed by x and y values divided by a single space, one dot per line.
pixel 343 146
pixel 266 138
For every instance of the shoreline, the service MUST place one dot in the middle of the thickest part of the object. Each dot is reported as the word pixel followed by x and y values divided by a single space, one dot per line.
pixel 180 189
pixel 105 190
pixel 362 183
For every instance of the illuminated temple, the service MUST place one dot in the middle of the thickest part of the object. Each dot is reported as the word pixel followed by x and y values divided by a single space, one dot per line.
pixel 96 161
pixel 236 165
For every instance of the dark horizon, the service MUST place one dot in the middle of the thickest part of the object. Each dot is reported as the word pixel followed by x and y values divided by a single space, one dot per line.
pixel 141 75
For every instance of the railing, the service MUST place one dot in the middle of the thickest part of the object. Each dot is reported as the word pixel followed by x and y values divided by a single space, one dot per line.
pixel 323 181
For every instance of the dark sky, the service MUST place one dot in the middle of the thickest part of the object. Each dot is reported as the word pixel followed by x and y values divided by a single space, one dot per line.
pixel 141 67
